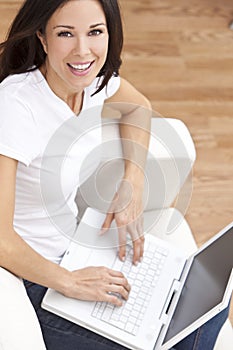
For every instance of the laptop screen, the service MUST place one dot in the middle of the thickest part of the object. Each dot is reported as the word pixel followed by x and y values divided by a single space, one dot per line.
pixel 205 285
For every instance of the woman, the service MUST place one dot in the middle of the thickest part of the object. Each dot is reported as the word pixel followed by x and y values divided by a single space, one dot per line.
pixel 60 59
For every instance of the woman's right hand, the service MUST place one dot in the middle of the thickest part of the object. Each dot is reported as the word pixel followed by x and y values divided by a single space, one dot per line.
pixel 98 284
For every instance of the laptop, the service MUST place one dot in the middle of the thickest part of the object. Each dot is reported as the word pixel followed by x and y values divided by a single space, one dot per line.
pixel 171 296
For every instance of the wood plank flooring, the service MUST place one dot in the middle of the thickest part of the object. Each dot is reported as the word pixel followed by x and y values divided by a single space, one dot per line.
pixel 185 68
pixel 180 55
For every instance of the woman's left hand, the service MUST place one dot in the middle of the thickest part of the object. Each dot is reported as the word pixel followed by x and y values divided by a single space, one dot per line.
pixel 127 210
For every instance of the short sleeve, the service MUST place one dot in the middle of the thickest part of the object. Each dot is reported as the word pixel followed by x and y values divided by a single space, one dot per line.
pixel 91 99
pixel 18 136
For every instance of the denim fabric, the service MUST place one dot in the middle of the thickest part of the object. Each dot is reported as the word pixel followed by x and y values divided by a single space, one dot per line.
pixel 60 334
pixel 204 338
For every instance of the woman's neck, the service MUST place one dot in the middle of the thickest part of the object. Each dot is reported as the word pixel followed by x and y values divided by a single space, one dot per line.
pixel 73 99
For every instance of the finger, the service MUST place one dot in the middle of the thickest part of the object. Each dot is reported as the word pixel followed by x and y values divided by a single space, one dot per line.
pixel 142 243
pixel 107 223
pixel 137 244
pixel 113 299
pixel 122 242
pixel 119 278
pixel 140 226
pixel 140 230
pixel 121 281
pixel 138 238
pixel 137 249
pixel 124 293
pixel 115 273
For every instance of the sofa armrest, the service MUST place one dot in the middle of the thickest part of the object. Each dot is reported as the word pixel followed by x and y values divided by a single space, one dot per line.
pixel 170 160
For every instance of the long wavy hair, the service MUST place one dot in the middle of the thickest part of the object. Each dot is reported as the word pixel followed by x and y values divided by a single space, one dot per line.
pixel 22 51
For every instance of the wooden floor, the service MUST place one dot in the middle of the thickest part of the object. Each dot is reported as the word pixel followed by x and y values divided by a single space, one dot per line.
pixel 179 53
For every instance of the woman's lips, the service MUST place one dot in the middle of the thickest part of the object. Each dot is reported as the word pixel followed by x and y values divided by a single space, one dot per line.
pixel 80 68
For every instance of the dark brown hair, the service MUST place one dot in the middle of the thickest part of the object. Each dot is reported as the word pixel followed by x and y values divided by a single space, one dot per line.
pixel 22 51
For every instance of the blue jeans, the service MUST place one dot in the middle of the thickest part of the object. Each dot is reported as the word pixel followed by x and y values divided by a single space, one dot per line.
pixel 60 334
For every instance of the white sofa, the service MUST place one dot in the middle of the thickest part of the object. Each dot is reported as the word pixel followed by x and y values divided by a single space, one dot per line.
pixel 19 328
pixel 174 151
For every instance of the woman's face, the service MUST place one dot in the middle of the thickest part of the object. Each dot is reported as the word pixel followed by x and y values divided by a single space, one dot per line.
pixel 76 43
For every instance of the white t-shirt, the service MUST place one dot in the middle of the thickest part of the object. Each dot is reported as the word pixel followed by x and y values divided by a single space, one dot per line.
pixel 56 151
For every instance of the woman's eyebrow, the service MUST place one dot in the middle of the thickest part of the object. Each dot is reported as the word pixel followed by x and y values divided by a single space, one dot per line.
pixel 71 27
pixel 64 26
pixel 96 25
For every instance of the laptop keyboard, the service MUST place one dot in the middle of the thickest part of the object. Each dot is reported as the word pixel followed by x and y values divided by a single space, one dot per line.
pixel 143 279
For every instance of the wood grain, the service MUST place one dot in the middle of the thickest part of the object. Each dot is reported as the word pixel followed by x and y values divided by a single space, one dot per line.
pixel 180 55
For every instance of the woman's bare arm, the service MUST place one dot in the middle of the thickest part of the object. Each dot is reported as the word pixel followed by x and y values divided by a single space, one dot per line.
pixel 91 283
pixel 135 124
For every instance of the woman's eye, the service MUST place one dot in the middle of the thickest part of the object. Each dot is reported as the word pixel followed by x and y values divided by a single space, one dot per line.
pixel 65 34
pixel 95 32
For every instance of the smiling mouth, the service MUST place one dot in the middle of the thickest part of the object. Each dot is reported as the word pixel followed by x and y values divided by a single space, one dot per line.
pixel 80 67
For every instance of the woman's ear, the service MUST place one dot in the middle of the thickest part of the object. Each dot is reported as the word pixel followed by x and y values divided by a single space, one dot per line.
pixel 43 41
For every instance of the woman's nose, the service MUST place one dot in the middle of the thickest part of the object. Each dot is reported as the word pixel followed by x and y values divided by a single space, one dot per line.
pixel 81 47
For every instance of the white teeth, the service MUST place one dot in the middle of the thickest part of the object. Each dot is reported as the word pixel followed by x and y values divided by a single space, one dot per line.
pixel 80 66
